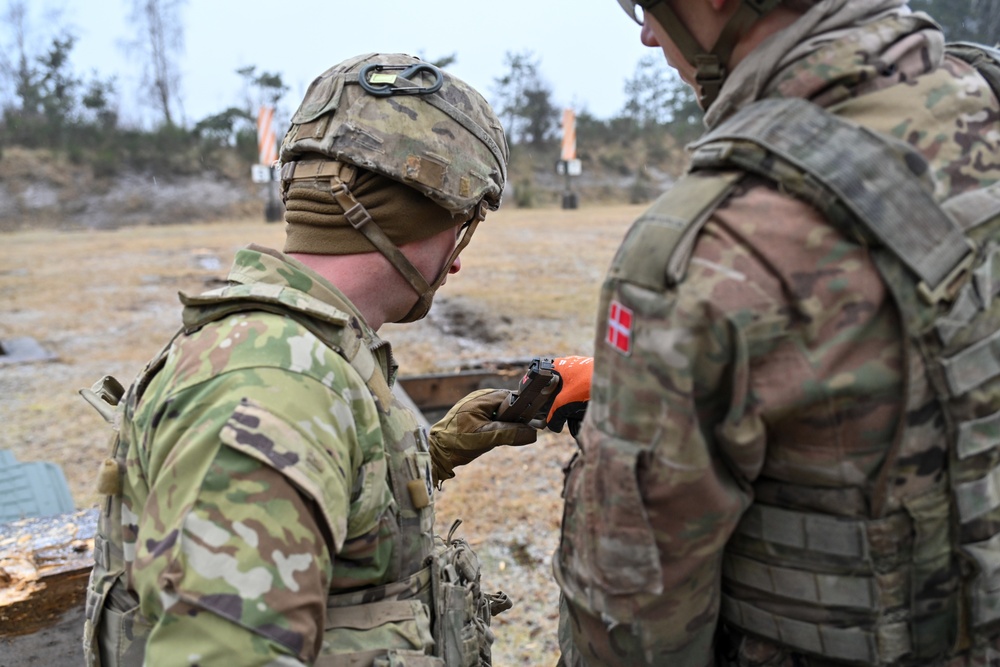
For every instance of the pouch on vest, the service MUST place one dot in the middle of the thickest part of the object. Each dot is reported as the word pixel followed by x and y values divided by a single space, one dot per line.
pixel 114 630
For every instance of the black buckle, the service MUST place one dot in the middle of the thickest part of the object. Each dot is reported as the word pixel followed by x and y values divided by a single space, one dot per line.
pixel 369 78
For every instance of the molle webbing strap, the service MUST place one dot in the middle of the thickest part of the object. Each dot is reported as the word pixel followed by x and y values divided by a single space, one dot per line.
pixel 884 645
pixel 978 497
pixel 865 173
pixel 985 602
pixel 807 531
pixel 977 435
pixel 456 114
pixel 853 591
pixel 374 614
pixel 973 366
pixel 852 585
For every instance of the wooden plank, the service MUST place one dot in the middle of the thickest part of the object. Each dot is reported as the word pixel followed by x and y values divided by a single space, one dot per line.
pixel 44 567
pixel 435 393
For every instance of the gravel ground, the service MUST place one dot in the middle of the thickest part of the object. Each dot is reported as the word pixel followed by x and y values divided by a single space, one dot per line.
pixel 102 302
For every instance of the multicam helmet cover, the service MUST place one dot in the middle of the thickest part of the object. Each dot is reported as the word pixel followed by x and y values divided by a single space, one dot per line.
pixel 404 118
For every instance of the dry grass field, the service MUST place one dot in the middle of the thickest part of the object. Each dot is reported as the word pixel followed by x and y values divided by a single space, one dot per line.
pixel 104 301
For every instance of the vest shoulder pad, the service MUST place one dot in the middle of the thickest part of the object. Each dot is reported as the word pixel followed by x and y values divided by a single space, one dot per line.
pixel 986 60
pixel 657 249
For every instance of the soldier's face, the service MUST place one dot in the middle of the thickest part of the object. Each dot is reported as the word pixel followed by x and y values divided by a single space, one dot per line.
pixel 430 255
pixel 653 35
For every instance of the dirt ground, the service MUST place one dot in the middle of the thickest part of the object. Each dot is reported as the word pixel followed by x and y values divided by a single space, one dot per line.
pixel 102 302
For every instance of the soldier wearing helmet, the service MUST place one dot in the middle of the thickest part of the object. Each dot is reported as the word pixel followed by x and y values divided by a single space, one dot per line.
pixel 269 500
pixel 791 447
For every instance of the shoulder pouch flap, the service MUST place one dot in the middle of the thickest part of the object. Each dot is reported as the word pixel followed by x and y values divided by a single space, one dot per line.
pixel 657 249
pixel 259 434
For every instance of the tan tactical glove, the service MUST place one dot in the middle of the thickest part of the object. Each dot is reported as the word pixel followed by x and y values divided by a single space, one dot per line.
pixel 468 431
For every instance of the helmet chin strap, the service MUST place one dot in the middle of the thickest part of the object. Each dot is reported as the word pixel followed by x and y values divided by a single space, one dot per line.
pixel 711 67
pixel 341 174
pixel 423 304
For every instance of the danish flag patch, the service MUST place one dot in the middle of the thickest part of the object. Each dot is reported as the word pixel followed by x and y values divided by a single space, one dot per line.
pixel 619 328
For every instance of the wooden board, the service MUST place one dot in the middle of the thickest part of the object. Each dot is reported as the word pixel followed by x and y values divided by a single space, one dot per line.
pixel 44 567
pixel 435 393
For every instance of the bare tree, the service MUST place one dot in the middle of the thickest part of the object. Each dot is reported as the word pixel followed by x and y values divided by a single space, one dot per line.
pixel 524 99
pixel 22 45
pixel 15 57
pixel 161 42
pixel 657 97
pixel 260 88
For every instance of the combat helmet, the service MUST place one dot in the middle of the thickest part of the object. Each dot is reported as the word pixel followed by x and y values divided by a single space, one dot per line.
pixel 711 65
pixel 408 120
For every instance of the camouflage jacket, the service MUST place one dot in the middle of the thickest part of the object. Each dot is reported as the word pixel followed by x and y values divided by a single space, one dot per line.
pixel 772 374
pixel 258 483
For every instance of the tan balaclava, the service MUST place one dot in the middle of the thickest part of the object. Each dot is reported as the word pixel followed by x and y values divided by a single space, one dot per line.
pixel 316 223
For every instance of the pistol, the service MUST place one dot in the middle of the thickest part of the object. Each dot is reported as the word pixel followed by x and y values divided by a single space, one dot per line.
pixel 534 394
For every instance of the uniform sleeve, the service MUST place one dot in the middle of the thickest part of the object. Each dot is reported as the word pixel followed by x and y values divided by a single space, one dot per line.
pixel 653 498
pixel 247 508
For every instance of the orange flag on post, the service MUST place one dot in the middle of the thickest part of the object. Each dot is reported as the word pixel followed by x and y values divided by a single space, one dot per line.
pixel 267 147
pixel 569 135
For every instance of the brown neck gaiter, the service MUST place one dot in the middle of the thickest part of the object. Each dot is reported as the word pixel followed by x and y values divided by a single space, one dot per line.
pixel 315 222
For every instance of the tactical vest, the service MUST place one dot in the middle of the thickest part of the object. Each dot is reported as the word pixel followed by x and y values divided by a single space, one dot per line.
pixel 919 579
pixel 436 600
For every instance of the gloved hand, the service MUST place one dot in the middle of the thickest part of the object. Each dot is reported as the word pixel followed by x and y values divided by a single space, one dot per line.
pixel 469 430
pixel 570 403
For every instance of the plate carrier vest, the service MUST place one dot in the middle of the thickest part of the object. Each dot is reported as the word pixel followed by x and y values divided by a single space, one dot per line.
pixel 919 579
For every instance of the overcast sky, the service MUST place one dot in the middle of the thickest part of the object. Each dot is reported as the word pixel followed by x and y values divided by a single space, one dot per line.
pixel 586 48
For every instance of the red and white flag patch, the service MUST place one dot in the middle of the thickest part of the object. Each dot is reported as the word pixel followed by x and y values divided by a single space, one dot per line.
pixel 619 328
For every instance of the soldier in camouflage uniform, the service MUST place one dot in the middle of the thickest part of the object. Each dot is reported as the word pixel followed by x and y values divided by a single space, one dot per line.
pixel 790 456
pixel 269 501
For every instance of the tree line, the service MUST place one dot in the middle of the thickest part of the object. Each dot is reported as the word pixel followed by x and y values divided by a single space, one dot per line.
pixel 45 104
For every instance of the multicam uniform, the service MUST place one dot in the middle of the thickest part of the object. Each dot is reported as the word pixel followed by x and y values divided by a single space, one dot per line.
pixel 275 502
pixel 764 444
